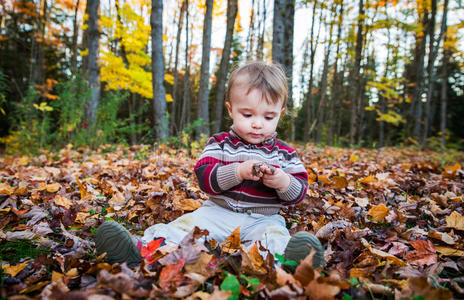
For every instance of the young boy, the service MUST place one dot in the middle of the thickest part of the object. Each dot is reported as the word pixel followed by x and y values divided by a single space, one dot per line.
pixel 248 173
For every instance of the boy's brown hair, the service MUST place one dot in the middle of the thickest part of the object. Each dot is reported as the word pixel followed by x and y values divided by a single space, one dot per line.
pixel 270 79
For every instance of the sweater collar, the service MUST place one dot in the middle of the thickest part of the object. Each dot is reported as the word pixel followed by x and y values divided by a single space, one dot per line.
pixel 269 141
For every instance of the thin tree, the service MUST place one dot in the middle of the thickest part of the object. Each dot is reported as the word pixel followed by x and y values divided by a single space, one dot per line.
pixel 251 32
pixel 313 43
pixel 93 64
pixel 356 86
pixel 185 113
pixel 157 63
pixel 203 112
pixel 176 102
pixel 282 47
pixel 224 65
pixel 74 40
pixel 443 94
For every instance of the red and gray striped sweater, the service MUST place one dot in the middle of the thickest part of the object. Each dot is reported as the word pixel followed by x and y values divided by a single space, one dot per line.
pixel 216 173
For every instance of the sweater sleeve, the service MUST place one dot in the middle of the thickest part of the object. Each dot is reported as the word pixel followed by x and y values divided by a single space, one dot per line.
pixel 296 191
pixel 215 176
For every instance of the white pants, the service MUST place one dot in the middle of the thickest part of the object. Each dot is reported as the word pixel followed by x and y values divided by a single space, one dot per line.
pixel 221 222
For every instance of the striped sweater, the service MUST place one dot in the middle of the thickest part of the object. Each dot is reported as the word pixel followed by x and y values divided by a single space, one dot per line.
pixel 217 176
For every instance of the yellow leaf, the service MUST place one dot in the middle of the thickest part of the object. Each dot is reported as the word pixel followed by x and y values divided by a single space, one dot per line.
pixel 378 213
pixel 169 98
pixel 35 287
pixel 455 220
pixel 63 201
pixel 382 254
pixel 81 217
pixel 14 270
pixel 369 108
pixel 56 276
pixel 448 251
pixel 165 38
pixel 339 182
pixel 53 188
pixel 354 158
pixel 72 273
pixel 6 189
pixel 368 180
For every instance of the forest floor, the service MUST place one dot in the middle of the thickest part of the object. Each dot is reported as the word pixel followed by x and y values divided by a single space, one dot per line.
pixel 392 223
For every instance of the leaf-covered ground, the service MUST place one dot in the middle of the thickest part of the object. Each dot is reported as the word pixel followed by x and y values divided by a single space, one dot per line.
pixel 392 222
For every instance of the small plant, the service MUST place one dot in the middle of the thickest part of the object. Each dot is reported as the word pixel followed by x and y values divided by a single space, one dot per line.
pixel 231 284
pixel 284 262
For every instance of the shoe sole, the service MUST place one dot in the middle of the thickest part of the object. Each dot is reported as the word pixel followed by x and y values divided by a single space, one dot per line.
pixel 112 238
pixel 300 246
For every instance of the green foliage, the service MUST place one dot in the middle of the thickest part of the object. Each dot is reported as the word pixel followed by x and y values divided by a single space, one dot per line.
pixel 231 284
pixel 282 260
pixel 30 125
pixel 186 138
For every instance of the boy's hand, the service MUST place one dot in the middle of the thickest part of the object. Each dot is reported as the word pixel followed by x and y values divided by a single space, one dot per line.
pixel 278 179
pixel 246 170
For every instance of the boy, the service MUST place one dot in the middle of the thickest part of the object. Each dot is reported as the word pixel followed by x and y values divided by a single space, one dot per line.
pixel 248 174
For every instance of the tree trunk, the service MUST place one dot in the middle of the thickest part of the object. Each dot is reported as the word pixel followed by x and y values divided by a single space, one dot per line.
pixel 130 104
pixel 94 68
pixel 416 103
pixel 444 97
pixel 74 41
pixel 176 103
pixel 250 35
pixel 185 113
pixel 85 42
pixel 203 112
pixel 260 47
pixel 39 66
pixel 356 86
pixel 335 93
pixel 289 21
pixel 433 52
pixel 157 63
pixel 320 112
pixel 224 65
pixel 313 45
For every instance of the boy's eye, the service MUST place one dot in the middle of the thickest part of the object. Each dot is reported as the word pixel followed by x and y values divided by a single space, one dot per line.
pixel 269 118
pixel 246 115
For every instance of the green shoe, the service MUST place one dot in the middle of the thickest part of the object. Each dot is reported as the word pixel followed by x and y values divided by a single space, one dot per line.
pixel 119 245
pixel 300 246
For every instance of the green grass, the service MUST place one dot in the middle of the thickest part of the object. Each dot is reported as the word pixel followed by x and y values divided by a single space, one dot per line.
pixel 13 252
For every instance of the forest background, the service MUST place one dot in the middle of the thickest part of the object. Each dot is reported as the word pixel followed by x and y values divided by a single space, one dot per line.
pixel 362 73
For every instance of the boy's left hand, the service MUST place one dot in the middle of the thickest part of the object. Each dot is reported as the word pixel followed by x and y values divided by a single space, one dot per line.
pixel 276 179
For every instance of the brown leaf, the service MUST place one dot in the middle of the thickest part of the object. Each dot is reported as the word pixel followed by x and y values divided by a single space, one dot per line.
pixel 63 201
pixel 253 262
pixel 448 251
pixel 424 254
pixel 339 182
pixel 6 189
pixel 379 253
pixel 122 283
pixel 171 275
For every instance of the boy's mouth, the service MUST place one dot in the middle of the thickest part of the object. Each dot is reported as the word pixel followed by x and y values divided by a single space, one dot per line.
pixel 256 135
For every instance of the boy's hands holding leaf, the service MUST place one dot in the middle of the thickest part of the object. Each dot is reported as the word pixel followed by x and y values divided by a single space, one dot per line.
pixel 271 176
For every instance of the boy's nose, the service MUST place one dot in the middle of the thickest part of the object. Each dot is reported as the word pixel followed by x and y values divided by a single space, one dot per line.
pixel 256 124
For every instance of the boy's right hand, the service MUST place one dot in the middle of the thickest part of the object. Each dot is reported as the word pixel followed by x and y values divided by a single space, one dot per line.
pixel 245 171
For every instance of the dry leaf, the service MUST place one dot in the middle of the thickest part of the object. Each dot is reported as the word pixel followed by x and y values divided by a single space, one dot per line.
pixel 379 253
pixel 448 251
pixel 339 182
pixel 424 254
pixel 378 213
pixel 233 242
pixel 53 188
pixel 6 189
pixel 455 220
pixel 14 270
pixel 63 201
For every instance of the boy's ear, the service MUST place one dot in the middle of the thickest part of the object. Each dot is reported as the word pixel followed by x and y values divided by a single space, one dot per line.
pixel 229 108
pixel 282 111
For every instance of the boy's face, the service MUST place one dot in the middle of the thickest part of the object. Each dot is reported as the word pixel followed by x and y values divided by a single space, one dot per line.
pixel 254 119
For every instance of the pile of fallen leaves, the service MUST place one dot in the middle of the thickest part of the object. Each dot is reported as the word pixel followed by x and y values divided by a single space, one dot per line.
pixel 392 223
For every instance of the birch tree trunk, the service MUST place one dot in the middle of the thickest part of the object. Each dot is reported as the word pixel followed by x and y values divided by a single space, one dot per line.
pixel 444 96
pixel 157 64
pixel 224 65
pixel 203 112
pixel 250 35
pixel 94 68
